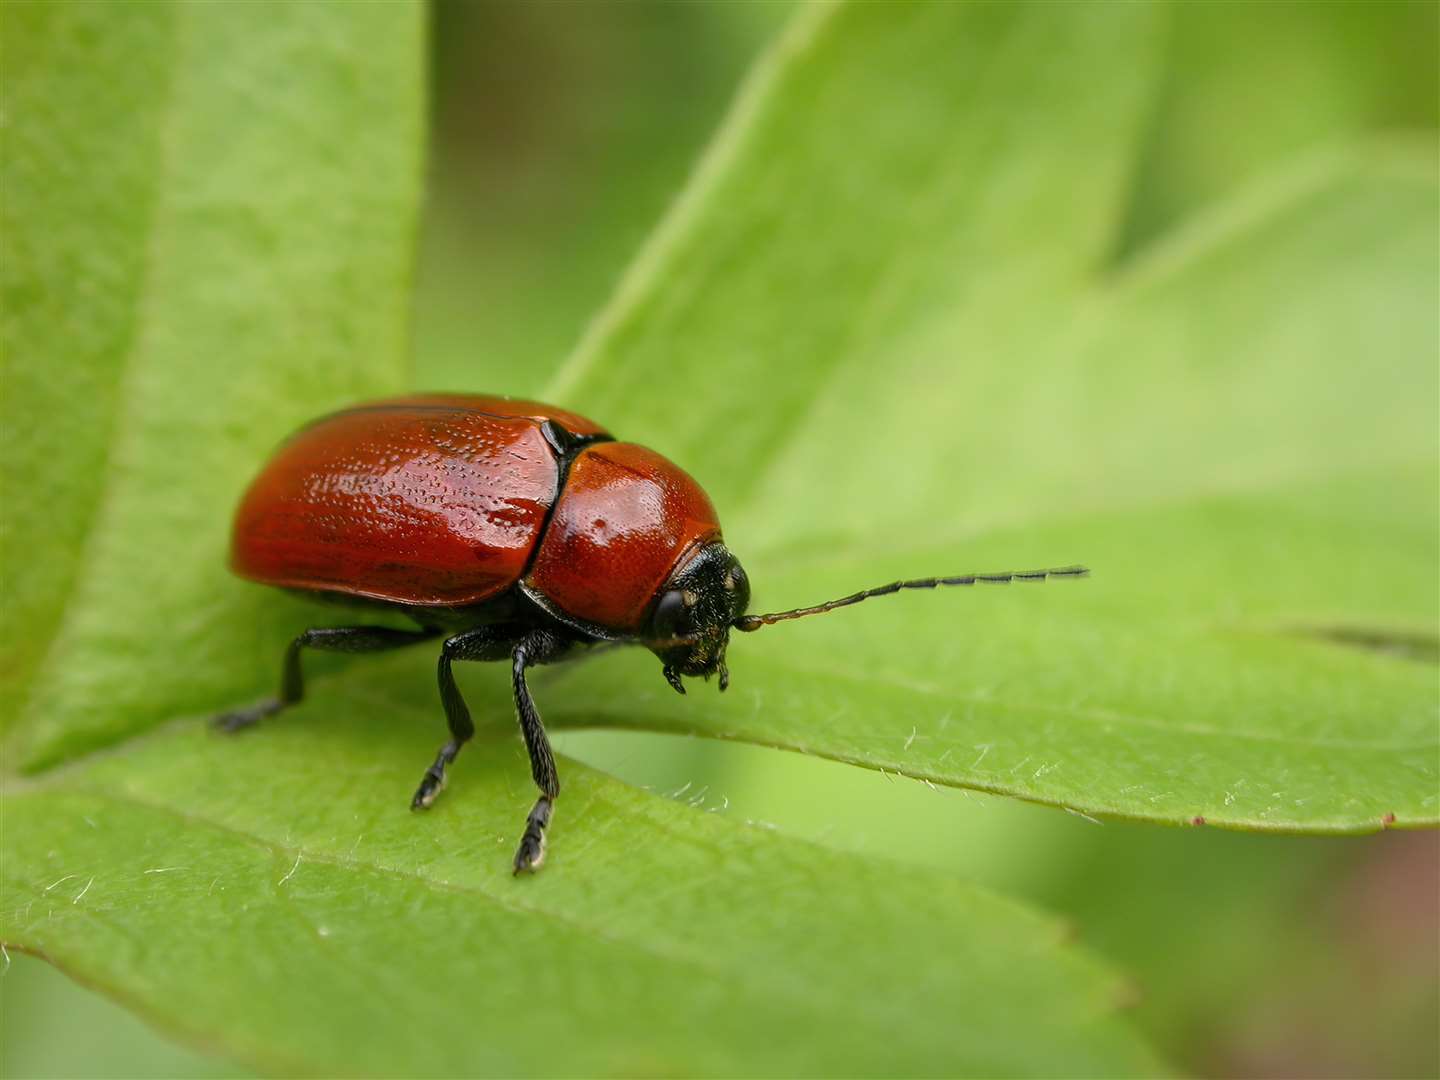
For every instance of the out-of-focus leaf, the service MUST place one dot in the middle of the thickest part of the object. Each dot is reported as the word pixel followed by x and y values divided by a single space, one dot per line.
pixel 1249 86
pixel 533 209
pixel 52 1028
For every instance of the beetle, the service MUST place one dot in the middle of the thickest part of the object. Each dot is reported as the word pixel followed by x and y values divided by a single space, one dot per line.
pixel 511 530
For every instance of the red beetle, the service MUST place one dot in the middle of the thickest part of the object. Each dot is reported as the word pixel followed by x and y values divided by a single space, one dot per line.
pixel 516 530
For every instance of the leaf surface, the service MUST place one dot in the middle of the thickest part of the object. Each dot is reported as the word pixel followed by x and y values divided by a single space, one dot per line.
pixel 356 937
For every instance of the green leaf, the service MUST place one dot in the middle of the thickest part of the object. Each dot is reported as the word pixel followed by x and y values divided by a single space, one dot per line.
pixel 272 896
pixel 1266 919
pixel 209 219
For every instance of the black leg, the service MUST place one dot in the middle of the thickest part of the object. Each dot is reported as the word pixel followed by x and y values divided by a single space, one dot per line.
pixel 482 643
pixel 538 648
pixel 525 649
pixel 351 639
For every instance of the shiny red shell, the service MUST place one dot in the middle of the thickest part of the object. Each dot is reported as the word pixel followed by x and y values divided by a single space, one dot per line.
pixel 627 518
pixel 446 500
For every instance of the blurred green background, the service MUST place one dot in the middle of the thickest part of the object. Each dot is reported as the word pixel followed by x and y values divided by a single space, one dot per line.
pixel 561 133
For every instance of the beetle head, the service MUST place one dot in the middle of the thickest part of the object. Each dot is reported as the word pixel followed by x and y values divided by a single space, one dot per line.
pixel 690 624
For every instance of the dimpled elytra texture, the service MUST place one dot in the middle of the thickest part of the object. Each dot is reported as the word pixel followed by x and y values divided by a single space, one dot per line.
pixel 428 500
pixel 626 519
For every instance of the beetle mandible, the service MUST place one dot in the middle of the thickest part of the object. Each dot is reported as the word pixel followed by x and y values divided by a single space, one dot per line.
pixel 512 530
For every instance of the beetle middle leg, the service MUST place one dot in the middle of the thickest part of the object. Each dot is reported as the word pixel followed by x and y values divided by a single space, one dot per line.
pixel 524 649
pixel 348 639
pixel 483 643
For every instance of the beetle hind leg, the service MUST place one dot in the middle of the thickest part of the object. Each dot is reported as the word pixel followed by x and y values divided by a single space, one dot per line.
pixel 347 639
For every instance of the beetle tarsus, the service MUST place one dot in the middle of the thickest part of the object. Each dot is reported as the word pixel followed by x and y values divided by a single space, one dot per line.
pixel 429 789
pixel 433 782
pixel 240 719
pixel 531 852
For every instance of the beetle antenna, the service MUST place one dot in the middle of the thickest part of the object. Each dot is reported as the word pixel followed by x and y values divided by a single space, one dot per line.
pixel 755 622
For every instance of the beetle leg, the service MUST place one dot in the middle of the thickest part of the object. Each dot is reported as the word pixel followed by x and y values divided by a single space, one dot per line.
pixel 482 643
pixel 495 643
pixel 537 648
pixel 349 639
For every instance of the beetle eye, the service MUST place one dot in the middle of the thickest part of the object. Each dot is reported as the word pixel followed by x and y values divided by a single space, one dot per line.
pixel 672 618
pixel 739 586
